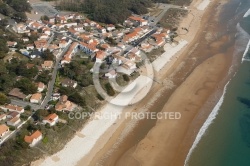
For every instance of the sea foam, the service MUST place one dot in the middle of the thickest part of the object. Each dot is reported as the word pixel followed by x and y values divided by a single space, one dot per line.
pixel 245 58
pixel 205 126
pixel 242 37
pixel 247 13
pixel 242 43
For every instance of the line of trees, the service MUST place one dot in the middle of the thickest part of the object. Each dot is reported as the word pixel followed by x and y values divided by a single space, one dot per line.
pixel 15 8
pixel 112 11
pixel 108 11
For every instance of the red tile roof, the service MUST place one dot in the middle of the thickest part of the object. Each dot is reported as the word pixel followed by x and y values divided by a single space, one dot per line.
pixel 30 138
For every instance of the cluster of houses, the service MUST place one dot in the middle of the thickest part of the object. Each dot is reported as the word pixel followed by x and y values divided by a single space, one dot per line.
pixel 11 114
pixel 10 117
pixel 35 98
pixel 77 33
pixel 66 35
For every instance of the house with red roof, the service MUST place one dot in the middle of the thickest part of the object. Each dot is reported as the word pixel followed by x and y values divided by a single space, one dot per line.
pixel 70 53
pixel 40 87
pixel 10 107
pixel 51 119
pixel 100 56
pixel 34 138
pixel 3 130
pixel 110 27
pixel 14 121
pixel 139 20
pixel 36 98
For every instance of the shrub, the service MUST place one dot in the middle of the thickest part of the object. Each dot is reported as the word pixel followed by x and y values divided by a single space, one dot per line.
pixel 99 97
pixel 109 89
pixel 126 77
pixel 45 140
pixel 12 128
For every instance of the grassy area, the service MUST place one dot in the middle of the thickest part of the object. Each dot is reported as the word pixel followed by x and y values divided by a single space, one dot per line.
pixel 17 55
pixel 90 96
pixel 181 2
pixel 172 18
pixel 155 53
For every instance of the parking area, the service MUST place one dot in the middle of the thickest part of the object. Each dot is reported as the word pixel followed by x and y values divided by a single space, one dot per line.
pixel 44 9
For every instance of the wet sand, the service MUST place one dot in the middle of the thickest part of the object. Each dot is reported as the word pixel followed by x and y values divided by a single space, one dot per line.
pixel 197 74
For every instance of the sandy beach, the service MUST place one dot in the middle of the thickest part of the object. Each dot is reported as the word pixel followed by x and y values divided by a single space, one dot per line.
pixel 186 79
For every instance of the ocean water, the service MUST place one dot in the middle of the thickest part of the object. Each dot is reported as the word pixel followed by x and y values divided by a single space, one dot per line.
pixel 224 139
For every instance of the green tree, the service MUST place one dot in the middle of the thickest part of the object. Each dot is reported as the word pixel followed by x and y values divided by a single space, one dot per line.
pixel 46 18
pixel 44 77
pixel 4 99
pixel 126 77
pixel 26 86
pixel 109 89
pixel 27 107
pixel 48 55
pixel 24 71
pixel 73 95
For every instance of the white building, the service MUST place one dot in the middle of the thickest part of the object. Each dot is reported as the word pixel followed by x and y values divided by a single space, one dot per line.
pixel 40 87
pixel 3 130
pixel 3 116
pixel 36 98
pixel 51 119
pixel 14 121
pixel 111 74
pixel 12 108
pixel 34 138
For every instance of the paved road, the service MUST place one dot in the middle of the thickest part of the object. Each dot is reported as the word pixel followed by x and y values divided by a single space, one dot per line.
pixel 165 8
pixel 53 79
pixel 24 104
pixel 50 39
pixel 12 133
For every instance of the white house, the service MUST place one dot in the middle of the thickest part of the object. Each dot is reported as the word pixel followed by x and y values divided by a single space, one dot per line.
pixel 46 31
pixel 43 37
pixel 11 43
pixel 25 39
pixel 63 43
pixel 111 74
pixel 12 108
pixel 92 23
pixel 3 130
pixel 3 116
pixel 34 138
pixel 70 53
pixel 68 25
pixel 13 115
pixel 102 30
pixel 40 87
pixel 78 28
pixel 51 119
pixel 30 47
pixel 69 83
pixel 36 98
pixel 56 96
pixel 47 65
pixel 35 25
pixel 14 121
pixel 100 56
pixel 110 27
pixel 21 28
